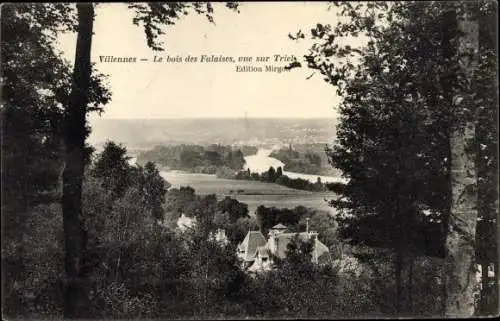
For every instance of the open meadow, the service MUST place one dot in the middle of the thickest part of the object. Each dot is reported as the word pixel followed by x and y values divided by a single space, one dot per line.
pixel 253 193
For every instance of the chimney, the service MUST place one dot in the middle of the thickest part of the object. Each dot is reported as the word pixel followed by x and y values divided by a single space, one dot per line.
pixel 307 225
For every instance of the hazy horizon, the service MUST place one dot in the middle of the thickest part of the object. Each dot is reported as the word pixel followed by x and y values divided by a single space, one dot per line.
pixel 215 118
pixel 227 130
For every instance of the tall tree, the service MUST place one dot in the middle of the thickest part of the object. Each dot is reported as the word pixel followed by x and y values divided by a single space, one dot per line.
pixel 113 168
pixel 154 188
pixel 461 236
pixel 406 110
pixel 74 137
pixel 36 85
pixel 486 147
pixel 152 16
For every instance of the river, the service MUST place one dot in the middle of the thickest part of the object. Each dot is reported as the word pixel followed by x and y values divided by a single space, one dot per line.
pixel 261 162
pixel 254 193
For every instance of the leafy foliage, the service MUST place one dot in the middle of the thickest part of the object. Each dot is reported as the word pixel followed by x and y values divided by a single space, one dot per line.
pixel 270 216
pixel 397 106
pixel 35 82
pixel 193 158
pixel 305 158
pixel 276 176
pixel 403 93
pixel 153 16
pixel 297 288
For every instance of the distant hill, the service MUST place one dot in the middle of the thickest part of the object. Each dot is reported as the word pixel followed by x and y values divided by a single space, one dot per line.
pixel 145 133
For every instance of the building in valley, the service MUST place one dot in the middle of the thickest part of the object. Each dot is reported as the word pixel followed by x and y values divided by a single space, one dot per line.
pixel 247 249
pixel 257 252
pixel 219 236
pixel 184 223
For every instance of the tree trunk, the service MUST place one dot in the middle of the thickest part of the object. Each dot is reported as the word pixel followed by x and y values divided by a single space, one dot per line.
pixel 484 287
pixel 399 280
pixel 410 283
pixel 488 126
pixel 460 240
pixel 75 134
pixel 496 285
pixel 496 234
pixel 460 256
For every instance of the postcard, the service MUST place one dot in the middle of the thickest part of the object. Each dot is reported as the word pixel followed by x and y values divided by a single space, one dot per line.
pixel 249 160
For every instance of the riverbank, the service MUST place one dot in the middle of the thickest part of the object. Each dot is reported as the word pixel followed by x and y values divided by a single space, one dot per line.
pixel 261 162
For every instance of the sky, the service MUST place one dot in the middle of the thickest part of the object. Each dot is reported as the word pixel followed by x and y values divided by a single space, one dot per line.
pixel 148 90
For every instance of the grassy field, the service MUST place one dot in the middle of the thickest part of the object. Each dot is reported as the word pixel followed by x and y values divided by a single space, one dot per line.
pixel 250 192
pixel 315 200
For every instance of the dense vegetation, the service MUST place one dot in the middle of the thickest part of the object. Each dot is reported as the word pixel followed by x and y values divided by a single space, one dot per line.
pixel 130 265
pixel 36 86
pixel 305 158
pixel 136 267
pixel 194 158
pixel 276 176
pixel 295 221
pixel 247 150
pixel 138 264
pixel 228 213
pixel 414 118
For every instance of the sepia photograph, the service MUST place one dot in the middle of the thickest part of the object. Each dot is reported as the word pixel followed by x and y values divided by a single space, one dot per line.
pixel 249 160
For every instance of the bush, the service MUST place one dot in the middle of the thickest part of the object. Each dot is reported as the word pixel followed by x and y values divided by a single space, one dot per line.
pixel 35 266
pixel 119 303
pixel 225 172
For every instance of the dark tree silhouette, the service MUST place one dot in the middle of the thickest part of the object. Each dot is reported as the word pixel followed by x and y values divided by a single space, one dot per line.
pixel 74 137
pixel 403 138
pixel 151 15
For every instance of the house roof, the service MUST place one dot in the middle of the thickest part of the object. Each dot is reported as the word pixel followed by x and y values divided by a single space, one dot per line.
pixel 259 265
pixel 252 241
pixel 320 249
pixel 279 227
pixel 262 251
pixel 282 241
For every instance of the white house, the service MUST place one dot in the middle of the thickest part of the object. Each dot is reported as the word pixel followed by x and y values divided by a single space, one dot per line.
pixel 219 236
pixel 257 253
pixel 184 223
